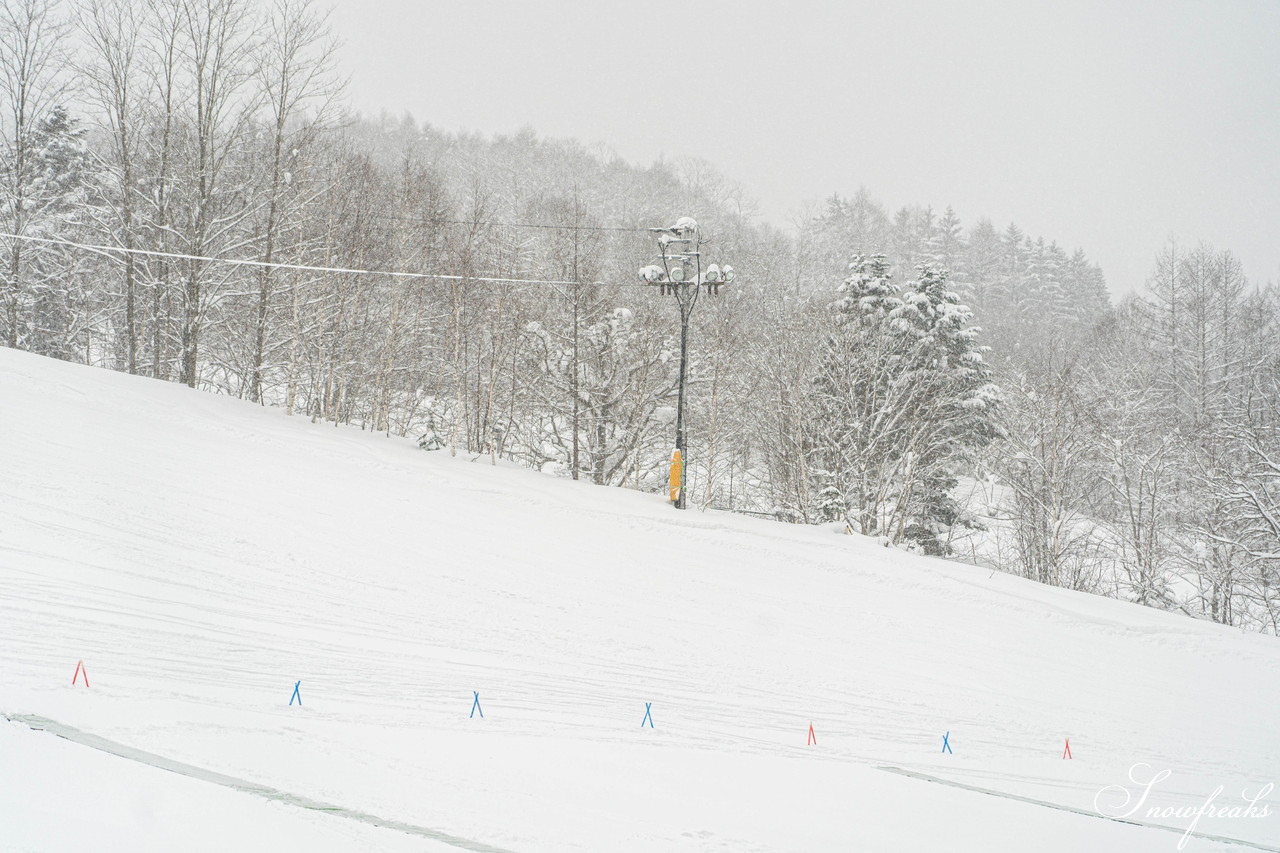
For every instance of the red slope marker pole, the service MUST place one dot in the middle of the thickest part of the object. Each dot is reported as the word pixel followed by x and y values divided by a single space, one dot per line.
pixel 1066 752
pixel 813 739
pixel 79 669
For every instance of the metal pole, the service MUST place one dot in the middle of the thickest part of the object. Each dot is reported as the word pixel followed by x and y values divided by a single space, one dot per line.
pixel 577 296
pixel 684 360
pixel 573 383
pixel 684 287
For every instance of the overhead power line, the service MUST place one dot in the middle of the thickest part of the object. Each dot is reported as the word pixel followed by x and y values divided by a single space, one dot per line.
pixel 427 220
pixel 108 250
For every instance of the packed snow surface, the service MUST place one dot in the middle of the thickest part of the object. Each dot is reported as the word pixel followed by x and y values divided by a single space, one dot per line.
pixel 202 555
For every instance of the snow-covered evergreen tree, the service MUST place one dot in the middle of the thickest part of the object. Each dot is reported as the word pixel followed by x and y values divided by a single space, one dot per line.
pixel 61 202
pixel 904 397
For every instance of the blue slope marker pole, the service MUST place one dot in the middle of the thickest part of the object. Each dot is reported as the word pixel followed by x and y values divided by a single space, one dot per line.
pixel 475 706
pixel 946 746
pixel 647 716
pixel 296 694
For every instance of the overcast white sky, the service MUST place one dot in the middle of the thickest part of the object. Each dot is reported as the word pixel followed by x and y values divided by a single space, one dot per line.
pixel 1107 126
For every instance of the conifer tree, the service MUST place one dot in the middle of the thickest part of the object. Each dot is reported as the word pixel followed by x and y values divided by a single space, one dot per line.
pixel 904 397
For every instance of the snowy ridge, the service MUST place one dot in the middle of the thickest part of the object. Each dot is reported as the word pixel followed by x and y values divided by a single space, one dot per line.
pixel 201 555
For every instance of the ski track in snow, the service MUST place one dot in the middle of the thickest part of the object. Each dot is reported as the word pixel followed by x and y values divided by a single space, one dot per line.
pixel 101 744
pixel 151 760
pixel 1041 803
pixel 201 555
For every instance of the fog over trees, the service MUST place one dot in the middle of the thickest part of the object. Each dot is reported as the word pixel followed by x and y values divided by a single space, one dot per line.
pixel 927 377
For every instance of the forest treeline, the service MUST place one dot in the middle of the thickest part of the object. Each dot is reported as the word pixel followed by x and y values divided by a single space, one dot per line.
pixel 956 388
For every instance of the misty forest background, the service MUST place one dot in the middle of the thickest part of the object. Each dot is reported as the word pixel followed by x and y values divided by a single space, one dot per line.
pixel 946 385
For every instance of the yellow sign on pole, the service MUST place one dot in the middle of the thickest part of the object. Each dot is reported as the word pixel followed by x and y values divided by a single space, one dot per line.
pixel 677 472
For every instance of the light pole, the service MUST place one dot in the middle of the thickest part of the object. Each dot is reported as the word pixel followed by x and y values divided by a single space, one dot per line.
pixel 681 275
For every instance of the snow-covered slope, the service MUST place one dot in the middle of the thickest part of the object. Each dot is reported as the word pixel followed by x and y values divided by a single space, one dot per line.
pixel 202 555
